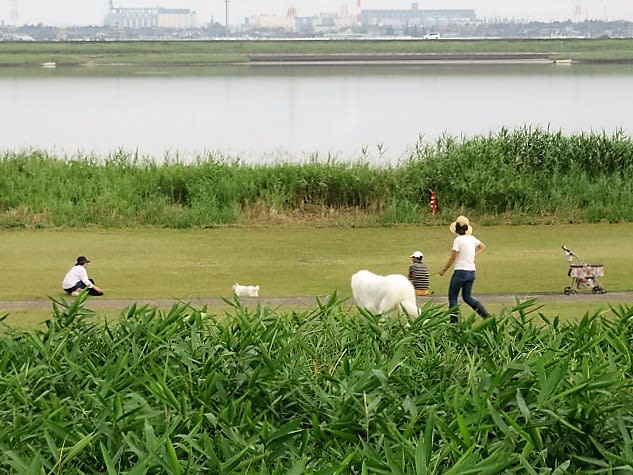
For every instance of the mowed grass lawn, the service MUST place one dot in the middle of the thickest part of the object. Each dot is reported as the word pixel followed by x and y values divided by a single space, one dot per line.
pixel 301 261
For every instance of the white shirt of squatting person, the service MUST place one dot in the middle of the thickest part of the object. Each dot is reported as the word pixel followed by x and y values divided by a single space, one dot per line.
pixel 75 274
pixel 465 246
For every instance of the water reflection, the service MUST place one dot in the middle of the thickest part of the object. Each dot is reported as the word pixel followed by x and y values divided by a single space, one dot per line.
pixel 264 113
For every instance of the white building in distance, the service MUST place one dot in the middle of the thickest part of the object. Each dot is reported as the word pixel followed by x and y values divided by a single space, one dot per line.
pixel 176 18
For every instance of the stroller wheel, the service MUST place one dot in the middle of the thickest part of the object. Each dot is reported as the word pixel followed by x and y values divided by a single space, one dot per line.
pixel 569 291
pixel 598 290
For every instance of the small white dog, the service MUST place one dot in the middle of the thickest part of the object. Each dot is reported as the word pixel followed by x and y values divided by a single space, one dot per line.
pixel 381 293
pixel 246 290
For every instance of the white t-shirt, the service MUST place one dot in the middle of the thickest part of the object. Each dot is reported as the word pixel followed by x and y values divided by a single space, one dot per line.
pixel 75 274
pixel 465 246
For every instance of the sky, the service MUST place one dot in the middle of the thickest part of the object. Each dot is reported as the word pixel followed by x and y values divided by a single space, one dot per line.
pixel 92 12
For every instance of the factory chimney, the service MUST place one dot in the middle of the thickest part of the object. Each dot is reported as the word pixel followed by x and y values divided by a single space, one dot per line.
pixel 13 7
pixel 226 12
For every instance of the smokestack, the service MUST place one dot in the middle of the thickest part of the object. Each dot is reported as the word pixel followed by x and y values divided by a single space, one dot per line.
pixel 291 17
pixel 13 15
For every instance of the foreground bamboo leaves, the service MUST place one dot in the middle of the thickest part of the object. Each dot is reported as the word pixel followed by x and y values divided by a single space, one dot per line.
pixel 324 391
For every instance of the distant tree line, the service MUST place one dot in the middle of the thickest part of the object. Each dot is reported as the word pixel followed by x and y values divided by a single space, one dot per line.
pixel 492 29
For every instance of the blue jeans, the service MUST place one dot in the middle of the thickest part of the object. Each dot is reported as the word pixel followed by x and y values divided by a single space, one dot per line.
pixel 463 280
pixel 80 286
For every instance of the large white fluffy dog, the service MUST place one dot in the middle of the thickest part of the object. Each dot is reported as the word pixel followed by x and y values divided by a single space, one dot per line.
pixel 381 293
pixel 246 290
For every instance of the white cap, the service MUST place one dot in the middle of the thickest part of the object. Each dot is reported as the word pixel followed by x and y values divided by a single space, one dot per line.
pixel 417 254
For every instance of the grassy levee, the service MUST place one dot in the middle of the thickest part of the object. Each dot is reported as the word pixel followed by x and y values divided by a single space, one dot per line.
pixel 180 53
pixel 523 176
pixel 318 391
pixel 295 263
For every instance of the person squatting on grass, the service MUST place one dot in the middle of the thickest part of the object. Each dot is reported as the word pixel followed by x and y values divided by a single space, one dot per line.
pixel 419 274
pixel 77 279
pixel 465 248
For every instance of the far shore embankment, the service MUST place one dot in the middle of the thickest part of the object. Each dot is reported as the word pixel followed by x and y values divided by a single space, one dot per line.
pixel 53 55
pixel 397 58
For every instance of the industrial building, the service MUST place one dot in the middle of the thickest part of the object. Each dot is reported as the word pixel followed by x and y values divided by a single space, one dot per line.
pixel 417 17
pixel 373 20
pixel 152 17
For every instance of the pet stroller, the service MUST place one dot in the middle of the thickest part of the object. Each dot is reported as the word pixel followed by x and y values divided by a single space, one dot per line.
pixel 583 276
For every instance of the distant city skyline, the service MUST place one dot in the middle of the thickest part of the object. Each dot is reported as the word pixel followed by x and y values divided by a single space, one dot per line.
pixel 92 12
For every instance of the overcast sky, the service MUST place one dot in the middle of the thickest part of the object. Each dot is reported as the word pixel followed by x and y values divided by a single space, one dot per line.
pixel 92 12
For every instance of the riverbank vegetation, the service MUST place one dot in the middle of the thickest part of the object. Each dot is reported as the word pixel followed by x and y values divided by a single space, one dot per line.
pixel 318 391
pixel 524 176
pixel 180 53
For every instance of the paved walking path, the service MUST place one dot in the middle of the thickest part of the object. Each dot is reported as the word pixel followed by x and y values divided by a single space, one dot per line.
pixel 616 297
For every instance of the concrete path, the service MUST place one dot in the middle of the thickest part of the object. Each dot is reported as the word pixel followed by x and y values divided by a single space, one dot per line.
pixel 616 297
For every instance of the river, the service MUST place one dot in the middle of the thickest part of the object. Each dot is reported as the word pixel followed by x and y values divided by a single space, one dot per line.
pixel 292 112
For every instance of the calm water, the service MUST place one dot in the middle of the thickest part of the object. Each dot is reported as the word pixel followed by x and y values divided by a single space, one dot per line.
pixel 266 113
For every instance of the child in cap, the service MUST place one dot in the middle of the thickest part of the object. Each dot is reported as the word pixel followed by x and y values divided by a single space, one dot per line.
pixel 419 274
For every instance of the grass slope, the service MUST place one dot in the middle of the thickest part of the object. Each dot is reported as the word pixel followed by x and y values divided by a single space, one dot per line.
pixel 300 261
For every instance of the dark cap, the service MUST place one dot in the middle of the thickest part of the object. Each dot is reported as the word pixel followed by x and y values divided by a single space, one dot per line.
pixel 81 260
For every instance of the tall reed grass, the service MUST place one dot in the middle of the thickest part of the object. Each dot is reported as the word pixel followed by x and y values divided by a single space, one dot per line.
pixel 526 175
pixel 327 390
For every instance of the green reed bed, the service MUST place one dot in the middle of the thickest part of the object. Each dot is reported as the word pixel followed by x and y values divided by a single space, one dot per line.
pixel 320 391
pixel 525 175
pixel 531 173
